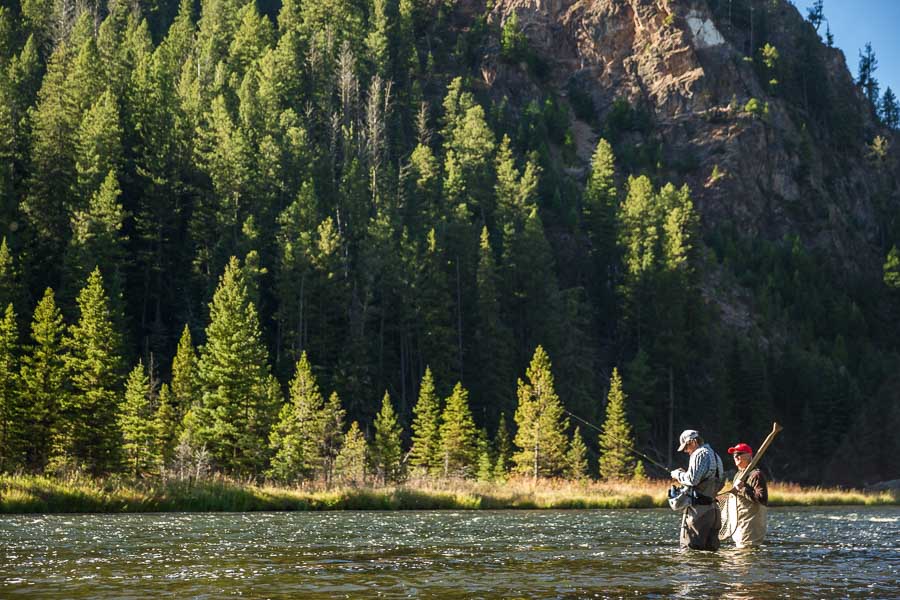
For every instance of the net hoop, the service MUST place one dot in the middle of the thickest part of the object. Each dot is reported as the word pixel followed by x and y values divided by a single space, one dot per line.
pixel 728 510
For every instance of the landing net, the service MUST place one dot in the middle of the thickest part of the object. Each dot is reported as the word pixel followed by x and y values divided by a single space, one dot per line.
pixel 728 508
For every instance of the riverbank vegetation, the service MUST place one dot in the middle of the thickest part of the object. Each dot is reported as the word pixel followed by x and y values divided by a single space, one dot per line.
pixel 30 494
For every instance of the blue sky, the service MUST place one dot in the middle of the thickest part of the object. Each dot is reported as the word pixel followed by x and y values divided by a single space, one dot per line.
pixel 855 22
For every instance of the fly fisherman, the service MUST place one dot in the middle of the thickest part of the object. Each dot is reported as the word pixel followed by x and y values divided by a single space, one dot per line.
pixel 701 520
pixel 751 500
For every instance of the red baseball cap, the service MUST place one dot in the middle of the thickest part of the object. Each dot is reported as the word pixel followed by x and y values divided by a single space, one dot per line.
pixel 742 448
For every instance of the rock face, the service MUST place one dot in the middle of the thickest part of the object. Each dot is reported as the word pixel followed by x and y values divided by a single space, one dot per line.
pixel 771 172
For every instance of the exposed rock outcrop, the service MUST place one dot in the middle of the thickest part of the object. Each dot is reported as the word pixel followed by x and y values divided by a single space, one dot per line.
pixel 779 170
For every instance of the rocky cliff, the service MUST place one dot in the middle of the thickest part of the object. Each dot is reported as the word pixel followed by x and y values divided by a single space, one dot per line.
pixel 775 151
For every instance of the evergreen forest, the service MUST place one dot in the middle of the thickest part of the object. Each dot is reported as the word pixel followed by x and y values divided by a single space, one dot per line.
pixel 305 240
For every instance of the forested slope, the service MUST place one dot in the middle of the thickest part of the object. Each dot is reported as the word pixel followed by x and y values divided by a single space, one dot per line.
pixel 697 193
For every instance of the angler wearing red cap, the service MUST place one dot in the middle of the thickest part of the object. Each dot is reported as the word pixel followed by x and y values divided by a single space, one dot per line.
pixel 751 500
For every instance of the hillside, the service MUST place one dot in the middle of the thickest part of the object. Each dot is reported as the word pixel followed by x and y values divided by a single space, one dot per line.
pixel 694 192
pixel 778 155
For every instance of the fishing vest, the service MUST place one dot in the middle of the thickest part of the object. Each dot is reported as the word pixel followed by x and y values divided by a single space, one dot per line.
pixel 712 482
pixel 704 493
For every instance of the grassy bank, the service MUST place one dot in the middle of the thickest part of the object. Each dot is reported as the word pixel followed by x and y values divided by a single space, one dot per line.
pixel 25 494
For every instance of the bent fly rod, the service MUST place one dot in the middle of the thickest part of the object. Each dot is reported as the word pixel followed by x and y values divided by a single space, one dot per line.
pixel 630 449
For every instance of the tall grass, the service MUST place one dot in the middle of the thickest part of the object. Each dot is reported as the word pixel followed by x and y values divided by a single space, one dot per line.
pixel 791 494
pixel 35 494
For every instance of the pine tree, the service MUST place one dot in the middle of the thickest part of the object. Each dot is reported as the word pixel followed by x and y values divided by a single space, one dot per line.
pixel 52 172
pixel 639 240
pixel 224 152
pixel 576 351
pixel 386 451
pixel 492 340
pixel 379 40
pixel 253 38
pixel 93 363
pixel 42 380
pixel 815 14
pixel 113 48
pixel 25 71
pixel 350 464
pixel 233 371
pixel 38 19
pixel 332 438
pixel 328 291
pixel 98 146
pixel 640 474
pixel 890 110
pixel 8 152
pixel 167 427
pixel 6 33
pixel 438 339
pixel 296 441
pixel 515 192
pixel 11 417
pixel 219 19
pixel 600 207
pixel 576 458
pixel 289 17
pixel 504 450
pixel 426 426
pixel 8 276
pixel 657 239
pixel 513 42
pixel 332 22
pixel 458 450
pixel 423 199
pixel 616 440
pixel 541 438
pixel 97 239
pixel 185 392
pixel 294 241
pixel 85 82
pixel 139 432
pixel 155 185
pixel 485 460
pixel 534 287
pixel 640 389
pixel 469 144
pixel 868 64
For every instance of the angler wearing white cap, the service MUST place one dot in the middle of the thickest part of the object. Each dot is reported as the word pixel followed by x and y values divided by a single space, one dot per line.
pixel 704 477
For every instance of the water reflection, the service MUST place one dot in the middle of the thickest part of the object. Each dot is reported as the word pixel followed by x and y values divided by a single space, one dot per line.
pixel 536 554
pixel 737 567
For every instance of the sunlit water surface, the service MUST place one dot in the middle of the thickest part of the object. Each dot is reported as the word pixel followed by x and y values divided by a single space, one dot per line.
pixel 811 553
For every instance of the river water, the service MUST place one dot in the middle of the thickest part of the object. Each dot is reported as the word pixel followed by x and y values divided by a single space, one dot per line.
pixel 810 553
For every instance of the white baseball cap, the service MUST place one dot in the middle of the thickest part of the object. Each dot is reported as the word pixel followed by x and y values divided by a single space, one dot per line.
pixel 686 436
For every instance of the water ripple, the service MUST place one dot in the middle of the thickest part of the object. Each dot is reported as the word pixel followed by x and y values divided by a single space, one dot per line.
pixel 810 553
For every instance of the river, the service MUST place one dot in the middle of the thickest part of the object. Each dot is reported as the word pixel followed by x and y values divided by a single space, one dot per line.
pixel 810 553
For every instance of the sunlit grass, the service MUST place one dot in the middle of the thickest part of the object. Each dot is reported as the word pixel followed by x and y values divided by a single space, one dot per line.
pixel 35 494
pixel 789 494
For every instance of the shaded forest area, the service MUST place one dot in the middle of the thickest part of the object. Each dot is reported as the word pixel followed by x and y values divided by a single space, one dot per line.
pixel 251 200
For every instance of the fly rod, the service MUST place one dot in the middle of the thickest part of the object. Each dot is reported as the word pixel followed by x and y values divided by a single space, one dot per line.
pixel 632 450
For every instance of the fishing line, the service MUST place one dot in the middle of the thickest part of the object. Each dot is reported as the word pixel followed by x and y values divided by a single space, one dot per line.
pixel 632 450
